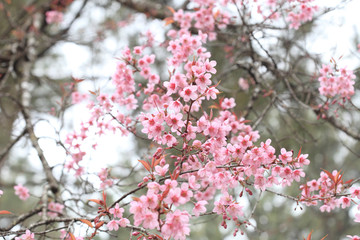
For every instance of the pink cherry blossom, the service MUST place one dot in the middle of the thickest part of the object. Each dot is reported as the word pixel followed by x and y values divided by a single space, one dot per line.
pixel 113 225
pixel 27 236
pixel 22 192
pixel 199 207
pixel 54 17
pixel 116 211
pixel 176 225
pixel 55 209
pixel 355 237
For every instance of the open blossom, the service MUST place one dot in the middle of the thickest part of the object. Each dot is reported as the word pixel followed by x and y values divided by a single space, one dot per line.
pixel 1 193
pixel 357 217
pixel 22 192
pixel 54 17
pixel 176 225
pixel 355 237
pixel 334 82
pixel 27 236
pixel 116 211
pixel 199 208
pixel 113 225
pixel 55 209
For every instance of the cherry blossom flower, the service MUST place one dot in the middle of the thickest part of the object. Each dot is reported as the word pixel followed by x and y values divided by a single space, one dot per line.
pixel 113 225
pixel 176 225
pixel 55 209
pixel 27 236
pixel 199 208
pixel 54 17
pixel 22 192
pixel 355 237
pixel 116 211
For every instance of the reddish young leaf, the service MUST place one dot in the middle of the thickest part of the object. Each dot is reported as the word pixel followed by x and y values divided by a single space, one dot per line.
pixel 104 196
pixel 87 222
pixel 72 236
pixel 309 236
pixel 96 201
pixel 5 212
pixel 324 237
pixel 349 181
pixel 99 224
pixel 171 9
pixel 159 237
pixel 330 175
pixel 338 177
pixel 299 153
pixel 145 164
pixel 168 20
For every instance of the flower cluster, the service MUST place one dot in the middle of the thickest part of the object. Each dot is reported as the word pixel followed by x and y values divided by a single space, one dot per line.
pixel 304 13
pixel 336 82
pixel 54 17
pixel 55 209
pixel 200 154
pixel 329 189
pixel 22 192
pixel 118 219
pixel 27 236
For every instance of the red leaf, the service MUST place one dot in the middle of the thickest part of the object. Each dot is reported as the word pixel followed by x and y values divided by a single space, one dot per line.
pixel 159 237
pixel 96 201
pixel 349 181
pixel 168 20
pixel 72 236
pixel 145 164
pixel 5 212
pixel 87 222
pixel 309 236
pixel 171 9
pixel 104 196
pixel 99 224
pixel 338 177
pixel 299 153
pixel 330 175
pixel 78 80
pixel 324 237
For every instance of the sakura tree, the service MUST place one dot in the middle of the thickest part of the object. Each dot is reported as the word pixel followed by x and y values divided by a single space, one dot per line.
pixel 202 103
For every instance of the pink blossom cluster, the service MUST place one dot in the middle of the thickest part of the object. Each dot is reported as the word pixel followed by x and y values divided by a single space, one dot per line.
pixel 1 193
pixel 336 82
pixel 27 236
pixel 78 97
pixel 206 16
pixel 304 13
pixel 209 159
pixel 104 177
pixel 210 152
pixel 22 192
pixel 55 209
pixel 118 219
pixel 54 17
pixel 329 189
pixel 217 151
pixel 297 12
